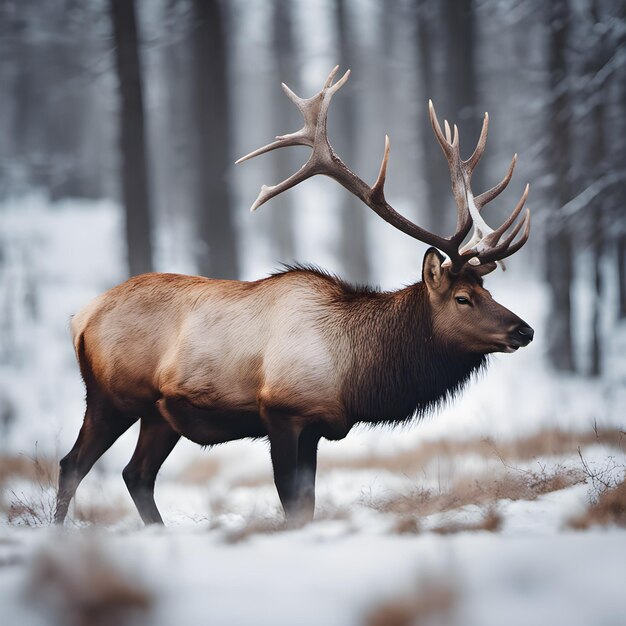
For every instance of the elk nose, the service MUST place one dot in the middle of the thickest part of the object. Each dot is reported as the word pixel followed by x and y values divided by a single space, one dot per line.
pixel 526 332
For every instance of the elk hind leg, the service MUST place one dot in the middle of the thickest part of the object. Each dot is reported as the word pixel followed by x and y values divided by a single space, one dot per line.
pixel 156 440
pixel 102 426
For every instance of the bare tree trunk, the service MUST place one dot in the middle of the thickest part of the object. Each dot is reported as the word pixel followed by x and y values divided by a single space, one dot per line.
pixel 621 273
pixel 559 262
pixel 217 254
pixel 461 76
pixel 618 129
pixel 353 243
pixel 597 157
pixel 284 50
pixel 177 187
pixel 598 55
pixel 445 30
pixel 435 176
pixel 132 137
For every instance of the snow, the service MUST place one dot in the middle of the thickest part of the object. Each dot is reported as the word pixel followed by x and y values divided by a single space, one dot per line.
pixel 335 570
pixel 326 575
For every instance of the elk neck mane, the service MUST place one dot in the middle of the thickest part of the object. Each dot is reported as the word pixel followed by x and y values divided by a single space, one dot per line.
pixel 400 369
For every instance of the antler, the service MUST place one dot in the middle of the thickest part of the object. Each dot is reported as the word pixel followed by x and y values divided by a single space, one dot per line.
pixel 484 246
pixel 482 249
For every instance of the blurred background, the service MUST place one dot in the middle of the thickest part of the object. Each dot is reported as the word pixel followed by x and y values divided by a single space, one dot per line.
pixel 121 121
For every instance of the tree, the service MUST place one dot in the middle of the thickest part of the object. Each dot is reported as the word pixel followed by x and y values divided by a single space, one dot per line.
pixel 446 38
pixel 598 55
pixel 559 261
pixel 353 243
pixel 217 255
pixel 282 109
pixel 132 137
pixel 435 177
pixel 618 126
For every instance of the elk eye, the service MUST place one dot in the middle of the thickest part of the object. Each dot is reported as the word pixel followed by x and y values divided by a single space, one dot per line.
pixel 462 300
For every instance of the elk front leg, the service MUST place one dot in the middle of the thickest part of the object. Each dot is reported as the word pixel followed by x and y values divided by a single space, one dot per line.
pixel 294 459
pixel 307 467
pixel 284 452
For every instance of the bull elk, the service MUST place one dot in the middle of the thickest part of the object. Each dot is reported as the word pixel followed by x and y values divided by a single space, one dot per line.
pixel 299 355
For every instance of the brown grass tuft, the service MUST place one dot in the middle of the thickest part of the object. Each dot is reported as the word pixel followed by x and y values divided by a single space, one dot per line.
pixel 406 525
pixel 37 508
pixel 200 471
pixel 609 508
pixel 101 514
pixel 35 511
pixel 33 469
pixel 482 491
pixel 430 604
pixel 491 522
pixel 79 586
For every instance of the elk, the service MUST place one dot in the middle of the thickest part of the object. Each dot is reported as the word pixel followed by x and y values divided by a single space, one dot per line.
pixel 299 355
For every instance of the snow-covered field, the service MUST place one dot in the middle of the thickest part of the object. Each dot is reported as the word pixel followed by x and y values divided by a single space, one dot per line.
pixel 467 518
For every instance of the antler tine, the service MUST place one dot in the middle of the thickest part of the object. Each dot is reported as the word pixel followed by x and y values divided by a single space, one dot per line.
pixel 492 238
pixel 485 239
pixel 496 190
pixel 331 76
pixel 459 176
pixel 445 146
pixel 269 192
pixel 294 139
pixel 379 185
pixel 313 134
pixel 472 162
pixel 505 249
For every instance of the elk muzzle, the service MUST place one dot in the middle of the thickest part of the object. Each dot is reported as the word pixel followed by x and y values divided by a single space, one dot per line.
pixel 520 336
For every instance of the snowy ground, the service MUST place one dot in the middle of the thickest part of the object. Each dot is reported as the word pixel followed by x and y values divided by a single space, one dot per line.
pixel 225 558
pixel 462 519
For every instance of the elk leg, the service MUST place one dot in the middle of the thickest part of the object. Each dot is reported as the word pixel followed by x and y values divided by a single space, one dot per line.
pixel 284 454
pixel 307 466
pixel 102 426
pixel 156 440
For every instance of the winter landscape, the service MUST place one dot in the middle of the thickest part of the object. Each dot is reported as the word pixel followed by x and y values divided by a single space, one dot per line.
pixel 505 506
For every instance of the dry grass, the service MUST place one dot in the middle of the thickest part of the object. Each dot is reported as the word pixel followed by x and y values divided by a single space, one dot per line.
pixel 200 471
pixel 548 442
pixel 407 525
pixel 101 514
pixel 37 508
pixel 77 585
pixel 260 479
pixel 33 469
pixel 32 511
pixel 432 603
pixel 608 508
pixel 490 522
pixel 482 491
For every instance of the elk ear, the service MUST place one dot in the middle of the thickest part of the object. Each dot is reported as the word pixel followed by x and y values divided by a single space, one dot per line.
pixel 432 270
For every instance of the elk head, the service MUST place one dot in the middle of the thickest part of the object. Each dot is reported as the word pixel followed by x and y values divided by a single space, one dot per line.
pixel 464 313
